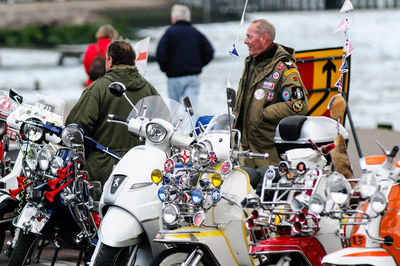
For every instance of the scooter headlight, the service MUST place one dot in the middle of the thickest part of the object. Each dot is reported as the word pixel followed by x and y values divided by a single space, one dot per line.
pixel 196 196
pixel 338 188
pixel 316 204
pixel 299 202
pixel 32 132
pixel 378 202
pixel 161 193
pixel 155 132
pixel 44 158
pixel 170 214
pixel 71 135
pixel 156 176
pixel 216 180
pixel 368 184
pixel 56 163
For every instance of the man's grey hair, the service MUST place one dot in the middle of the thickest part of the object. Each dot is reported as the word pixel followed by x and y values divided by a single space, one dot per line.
pixel 180 12
pixel 264 26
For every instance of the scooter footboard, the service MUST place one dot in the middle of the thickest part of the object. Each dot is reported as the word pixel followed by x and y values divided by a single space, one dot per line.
pixel 119 228
pixel 357 256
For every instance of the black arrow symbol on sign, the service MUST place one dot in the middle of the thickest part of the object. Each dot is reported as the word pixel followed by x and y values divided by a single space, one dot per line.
pixel 328 67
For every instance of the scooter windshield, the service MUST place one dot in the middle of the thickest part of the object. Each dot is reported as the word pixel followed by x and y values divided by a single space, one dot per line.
pixel 219 124
pixel 164 108
pixel 51 103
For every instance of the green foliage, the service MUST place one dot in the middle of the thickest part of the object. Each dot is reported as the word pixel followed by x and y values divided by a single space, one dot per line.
pixel 50 35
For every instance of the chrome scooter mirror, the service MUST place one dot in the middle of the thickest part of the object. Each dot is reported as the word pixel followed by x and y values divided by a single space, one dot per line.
pixel 188 105
pixel 118 89
pixel 231 97
pixel 15 96
pixel 189 109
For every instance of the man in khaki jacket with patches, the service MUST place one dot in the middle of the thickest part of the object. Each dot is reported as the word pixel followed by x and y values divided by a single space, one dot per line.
pixel 270 89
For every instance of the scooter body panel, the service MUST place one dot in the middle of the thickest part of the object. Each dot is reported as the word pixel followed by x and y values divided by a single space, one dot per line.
pixel 135 193
pixel 390 222
pixel 357 256
pixel 119 228
pixel 222 247
pixel 310 248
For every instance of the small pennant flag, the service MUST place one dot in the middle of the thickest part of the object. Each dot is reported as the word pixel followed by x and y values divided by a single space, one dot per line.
pixel 343 25
pixel 142 49
pixel 234 52
pixel 349 48
pixel 347 6
pixel 339 83
pixel 343 68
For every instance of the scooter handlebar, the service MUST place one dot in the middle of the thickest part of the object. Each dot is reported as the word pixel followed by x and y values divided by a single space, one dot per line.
pixel 394 151
pixel 116 118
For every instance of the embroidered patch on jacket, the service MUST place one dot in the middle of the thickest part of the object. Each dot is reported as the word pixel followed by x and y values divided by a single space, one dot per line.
pixel 268 77
pixel 270 96
pixel 297 93
pixel 285 95
pixel 297 106
pixel 259 94
pixel 289 64
pixel 276 75
pixel 290 71
pixel 295 78
pixel 280 66
pixel 268 85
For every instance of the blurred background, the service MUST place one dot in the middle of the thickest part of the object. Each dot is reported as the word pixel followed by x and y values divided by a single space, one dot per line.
pixel 42 42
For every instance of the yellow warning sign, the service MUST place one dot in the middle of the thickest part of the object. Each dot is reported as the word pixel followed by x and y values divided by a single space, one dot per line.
pixel 322 72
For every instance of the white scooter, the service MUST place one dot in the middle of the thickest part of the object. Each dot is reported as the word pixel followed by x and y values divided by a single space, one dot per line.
pixel 129 206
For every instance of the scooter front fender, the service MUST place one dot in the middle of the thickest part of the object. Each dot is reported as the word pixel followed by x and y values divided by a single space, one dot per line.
pixel 357 256
pixel 119 228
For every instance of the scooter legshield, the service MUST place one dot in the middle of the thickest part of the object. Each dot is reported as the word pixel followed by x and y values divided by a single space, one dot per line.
pixel 357 256
pixel 32 218
pixel 119 228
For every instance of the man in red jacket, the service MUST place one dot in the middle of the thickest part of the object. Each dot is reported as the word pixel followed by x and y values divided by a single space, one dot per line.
pixel 105 34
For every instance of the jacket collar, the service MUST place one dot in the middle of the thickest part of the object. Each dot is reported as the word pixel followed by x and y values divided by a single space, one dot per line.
pixel 122 67
pixel 267 54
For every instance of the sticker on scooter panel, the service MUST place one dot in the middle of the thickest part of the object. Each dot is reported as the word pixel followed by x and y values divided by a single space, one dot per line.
pixel 116 182
pixel 212 158
pixel 301 168
pixel 185 156
pixel 5 103
pixel 169 165
pixel 226 167
pixel 216 195
pixel 283 168
pixel 269 176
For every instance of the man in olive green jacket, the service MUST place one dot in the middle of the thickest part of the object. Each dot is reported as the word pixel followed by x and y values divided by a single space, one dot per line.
pixel 270 89
pixel 97 102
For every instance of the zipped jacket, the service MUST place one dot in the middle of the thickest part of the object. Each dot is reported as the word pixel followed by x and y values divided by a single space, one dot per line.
pixel 269 90
pixel 94 106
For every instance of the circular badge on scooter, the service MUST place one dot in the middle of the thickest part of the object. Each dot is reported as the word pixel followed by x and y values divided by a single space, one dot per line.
pixel 212 158
pixel 226 167
pixel 169 165
pixel 301 168
pixel 269 174
pixel 216 195
pixel 283 168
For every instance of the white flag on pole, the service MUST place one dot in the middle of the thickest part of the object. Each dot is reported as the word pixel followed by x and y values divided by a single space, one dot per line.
pixel 142 53
pixel 343 25
pixel 347 6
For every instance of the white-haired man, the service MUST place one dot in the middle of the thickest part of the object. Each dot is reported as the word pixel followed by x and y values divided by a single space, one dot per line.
pixel 182 53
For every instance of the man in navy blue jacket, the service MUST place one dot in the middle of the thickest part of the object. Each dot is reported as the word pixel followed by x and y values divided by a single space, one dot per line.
pixel 182 53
